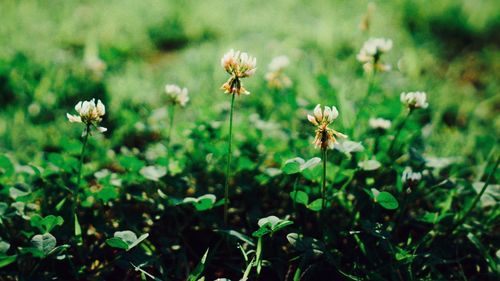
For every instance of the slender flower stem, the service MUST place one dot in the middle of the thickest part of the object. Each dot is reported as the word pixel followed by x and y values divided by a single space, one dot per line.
pixel 171 112
pixel 323 188
pixel 401 126
pixel 476 200
pixel 228 168
pixel 79 179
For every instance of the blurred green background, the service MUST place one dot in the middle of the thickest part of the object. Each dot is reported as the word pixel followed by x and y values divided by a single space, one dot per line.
pixel 56 53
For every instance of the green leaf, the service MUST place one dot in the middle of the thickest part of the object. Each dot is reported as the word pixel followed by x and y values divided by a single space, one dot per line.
pixel 311 163
pixel 6 260
pixel 46 224
pixel 292 166
pixel 6 167
pixel 153 173
pixel 300 197
pixel 386 200
pixel 270 224
pixel 117 243
pixel 316 205
pixel 125 240
pixel 198 270
pixel 4 247
pixel 202 203
pixel 44 243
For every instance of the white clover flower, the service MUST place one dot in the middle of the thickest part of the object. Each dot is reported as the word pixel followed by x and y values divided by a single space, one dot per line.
pixel 278 63
pixel 89 113
pixel 410 177
pixel 414 100
pixel 325 137
pixel 379 123
pixel 275 76
pixel 238 65
pixel 371 52
pixel 177 95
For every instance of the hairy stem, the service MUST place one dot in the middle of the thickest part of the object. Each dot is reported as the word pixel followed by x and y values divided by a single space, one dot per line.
pixel 228 167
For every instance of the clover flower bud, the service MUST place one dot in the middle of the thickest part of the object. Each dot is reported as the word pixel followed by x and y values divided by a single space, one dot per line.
pixel 176 95
pixel 239 65
pixel 414 100
pixel 89 113
pixel 325 137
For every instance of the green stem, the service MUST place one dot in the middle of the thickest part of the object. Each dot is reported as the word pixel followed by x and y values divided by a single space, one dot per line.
pixel 295 193
pixel 228 168
pixel 323 188
pixel 476 200
pixel 171 117
pixel 79 179
pixel 401 126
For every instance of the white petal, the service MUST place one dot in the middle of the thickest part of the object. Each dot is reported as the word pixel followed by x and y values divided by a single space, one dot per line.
pixel 101 129
pixel 312 119
pixel 317 113
pixel 327 113
pixel 78 106
pixel 101 110
pixel 334 114
pixel 74 118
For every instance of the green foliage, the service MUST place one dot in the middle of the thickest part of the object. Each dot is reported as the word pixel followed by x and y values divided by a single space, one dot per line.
pixel 125 240
pixel 378 222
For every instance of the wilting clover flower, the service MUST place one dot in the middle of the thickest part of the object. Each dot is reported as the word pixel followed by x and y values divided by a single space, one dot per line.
pixel 325 136
pixel 239 65
pixel 379 123
pixel 371 53
pixel 414 100
pixel 176 95
pixel 275 76
pixel 89 113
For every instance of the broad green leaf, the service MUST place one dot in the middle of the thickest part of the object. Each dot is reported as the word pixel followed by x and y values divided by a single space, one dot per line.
pixel 44 242
pixel 316 205
pixel 4 247
pixel 311 163
pixel 386 200
pixel 300 197
pixel 292 166
pixel 46 224
pixel 6 167
pixel 125 240
pixel 6 260
pixel 117 243
pixel 202 203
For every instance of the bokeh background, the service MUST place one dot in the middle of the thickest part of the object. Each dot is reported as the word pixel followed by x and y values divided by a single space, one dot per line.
pixel 55 53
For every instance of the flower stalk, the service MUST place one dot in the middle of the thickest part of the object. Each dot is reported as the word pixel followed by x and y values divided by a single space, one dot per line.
pixel 228 167
pixel 238 65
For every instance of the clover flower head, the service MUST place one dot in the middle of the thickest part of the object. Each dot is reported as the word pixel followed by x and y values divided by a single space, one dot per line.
pixel 177 95
pixel 239 65
pixel 89 113
pixel 278 63
pixel 325 137
pixel 275 77
pixel 371 52
pixel 414 100
pixel 379 123
pixel 409 177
